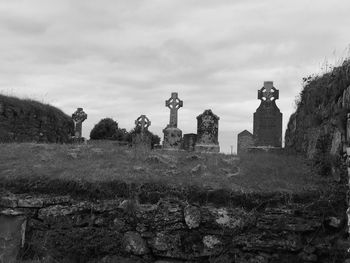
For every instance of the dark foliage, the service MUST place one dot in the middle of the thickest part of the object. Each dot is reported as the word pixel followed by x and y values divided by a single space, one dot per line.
pixel 106 129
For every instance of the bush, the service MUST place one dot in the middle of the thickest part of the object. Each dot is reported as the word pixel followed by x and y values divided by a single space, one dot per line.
pixel 106 129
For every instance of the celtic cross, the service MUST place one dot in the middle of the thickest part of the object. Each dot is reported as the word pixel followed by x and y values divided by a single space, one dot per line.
pixel 268 93
pixel 174 104
pixel 78 117
pixel 143 123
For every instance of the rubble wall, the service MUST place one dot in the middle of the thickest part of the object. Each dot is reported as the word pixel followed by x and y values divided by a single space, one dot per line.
pixel 270 228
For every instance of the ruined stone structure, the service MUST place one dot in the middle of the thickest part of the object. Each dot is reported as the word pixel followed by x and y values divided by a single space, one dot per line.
pixel 189 141
pixel 31 121
pixel 207 132
pixel 245 140
pixel 111 227
pixel 142 137
pixel 79 116
pixel 267 124
pixel 172 134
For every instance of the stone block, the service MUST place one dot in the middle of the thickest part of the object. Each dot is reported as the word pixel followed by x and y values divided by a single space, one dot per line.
pixel 172 138
pixel 245 140
pixel 189 141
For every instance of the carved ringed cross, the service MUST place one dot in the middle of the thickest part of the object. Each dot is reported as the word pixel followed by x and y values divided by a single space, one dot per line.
pixel 143 122
pixel 174 104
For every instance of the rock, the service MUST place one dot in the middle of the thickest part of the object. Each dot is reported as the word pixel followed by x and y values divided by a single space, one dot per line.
pixel 12 236
pixel 211 241
pixel 31 202
pixel 336 142
pixel 9 201
pixel 334 222
pixel 192 216
pixel 11 212
pixel 133 243
pixel 167 245
pixel 118 224
pixel 129 206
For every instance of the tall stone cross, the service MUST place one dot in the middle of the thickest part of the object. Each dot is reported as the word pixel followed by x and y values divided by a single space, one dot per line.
pixel 174 104
pixel 143 122
pixel 268 93
pixel 78 117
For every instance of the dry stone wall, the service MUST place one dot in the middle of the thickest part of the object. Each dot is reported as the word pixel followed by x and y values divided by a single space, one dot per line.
pixel 170 230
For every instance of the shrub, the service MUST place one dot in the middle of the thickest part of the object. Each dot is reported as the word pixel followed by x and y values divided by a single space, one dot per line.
pixel 106 129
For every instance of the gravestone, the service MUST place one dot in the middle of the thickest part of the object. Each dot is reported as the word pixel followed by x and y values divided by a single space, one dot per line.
pixel 172 134
pixel 141 137
pixel 189 141
pixel 207 132
pixel 245 140
pixel 267 124
pixel 78 117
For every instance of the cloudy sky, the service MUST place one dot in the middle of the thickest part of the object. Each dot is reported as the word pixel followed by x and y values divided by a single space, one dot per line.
pixel 123 58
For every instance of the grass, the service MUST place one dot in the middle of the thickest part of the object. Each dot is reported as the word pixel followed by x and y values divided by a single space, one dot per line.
pixel 105 161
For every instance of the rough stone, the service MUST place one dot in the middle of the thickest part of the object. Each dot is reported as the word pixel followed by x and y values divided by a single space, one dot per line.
pixel 9 201
pixel 79 116
pixel 267 124
pixel 134 243
pixel 172 134
pixel 192 216
pixel 12 237
pixel 207 132
pixel 141 138
pixel 189 141
pixel 31 202
pixel 211 241
pixel 336 142
pixel 245 140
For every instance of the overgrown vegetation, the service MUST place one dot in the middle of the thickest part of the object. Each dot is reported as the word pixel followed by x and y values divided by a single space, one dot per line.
pixel 108 129
pixel 105 162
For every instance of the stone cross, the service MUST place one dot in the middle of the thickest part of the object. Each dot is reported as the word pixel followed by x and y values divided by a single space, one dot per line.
pixel 143 122
pixel 174 104
pixel 268 93
pixel 78 117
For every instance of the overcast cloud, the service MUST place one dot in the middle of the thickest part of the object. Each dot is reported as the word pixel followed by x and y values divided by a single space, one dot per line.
pixel 121 59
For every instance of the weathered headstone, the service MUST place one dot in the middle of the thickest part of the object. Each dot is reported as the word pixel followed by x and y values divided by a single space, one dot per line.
pixel 207 132
pixel 267 124
pixel 189 141
pixel 78 117
pixel 172 134
pixel 12 234
pixel 245 140
pixel 142 138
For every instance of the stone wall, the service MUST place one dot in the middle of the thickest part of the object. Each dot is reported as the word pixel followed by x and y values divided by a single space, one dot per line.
pixel 31 121
pixel 317 128
pixel 66 229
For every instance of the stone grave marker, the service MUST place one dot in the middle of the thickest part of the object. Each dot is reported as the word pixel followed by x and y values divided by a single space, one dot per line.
pixel 207 132
pixel 79 116
pixel 245 140
pixel 172 134
pixel 267 124
pixel 189 141
pixel 142 138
